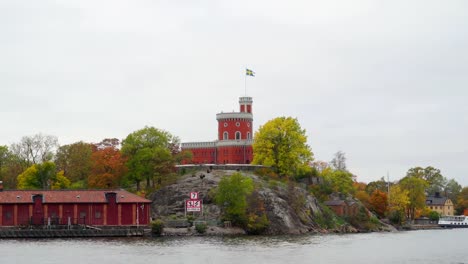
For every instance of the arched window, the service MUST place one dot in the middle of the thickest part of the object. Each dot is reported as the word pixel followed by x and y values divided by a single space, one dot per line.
pixel 238 135
pixel 225 136
pixel 248 135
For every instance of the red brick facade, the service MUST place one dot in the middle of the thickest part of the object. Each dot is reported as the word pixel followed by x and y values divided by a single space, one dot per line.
pixel 234 144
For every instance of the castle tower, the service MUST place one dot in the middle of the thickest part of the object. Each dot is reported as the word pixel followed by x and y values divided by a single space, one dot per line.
pixel 234 144
pixel 236 125
pixel 245 104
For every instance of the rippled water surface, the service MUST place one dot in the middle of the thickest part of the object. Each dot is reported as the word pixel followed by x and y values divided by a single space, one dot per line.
pixel 432 246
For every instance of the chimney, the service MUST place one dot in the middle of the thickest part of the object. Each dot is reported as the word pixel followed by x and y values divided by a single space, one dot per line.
pixel 1 186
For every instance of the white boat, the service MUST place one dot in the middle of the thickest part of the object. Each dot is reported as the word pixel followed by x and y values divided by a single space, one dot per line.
pixel 453 221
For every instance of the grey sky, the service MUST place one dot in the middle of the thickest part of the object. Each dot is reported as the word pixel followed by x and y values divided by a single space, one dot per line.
pixel 383 81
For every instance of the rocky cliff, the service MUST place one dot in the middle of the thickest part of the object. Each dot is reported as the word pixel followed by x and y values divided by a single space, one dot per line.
pixel 289 208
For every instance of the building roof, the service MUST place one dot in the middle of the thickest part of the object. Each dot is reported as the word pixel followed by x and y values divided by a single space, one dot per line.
pixel 436 200
pixel 68 196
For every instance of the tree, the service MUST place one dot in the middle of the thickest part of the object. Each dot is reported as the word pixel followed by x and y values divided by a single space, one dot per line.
pixel 35 149
pixel 107 168
pixel 462 201
pixel 74 160
pixel 148 153
pixel 10 168
pixel 107 143
pixel 339 161
pixel 378 202
pixel 363 197
pixel 380 185
pixel 282 144
pixel 5 157
pixel 61 182
pixel 231 195
pixel 398 201
pixel 42 176
pixel 452 189
pixel 341 181
pixel 433 177
pixel 416 193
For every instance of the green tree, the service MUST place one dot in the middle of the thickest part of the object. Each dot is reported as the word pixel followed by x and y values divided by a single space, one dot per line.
pixel 433 177
pixel 282 144
pixel 452 189
pixel 10 167
pixel 5 158
pixel 380 185
pixel 231 195
pixel 149 154
pixel 74 160
pixel 416 193
pixel 341 181
pixel 42 176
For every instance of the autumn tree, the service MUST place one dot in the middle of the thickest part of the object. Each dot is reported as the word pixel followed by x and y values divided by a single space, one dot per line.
pixel 42 176
pixel 35 149
pixel 149 155
pixel 378 202
pixel 462 201
pixel 107 166
pixel 74 160
pixel 282 144
pixel 416 193
pixel 398 201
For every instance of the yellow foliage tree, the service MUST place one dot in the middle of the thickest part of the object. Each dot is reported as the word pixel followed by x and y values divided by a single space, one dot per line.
pixel 282 144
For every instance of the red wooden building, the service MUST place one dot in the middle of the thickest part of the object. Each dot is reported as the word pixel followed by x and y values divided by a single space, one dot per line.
pixel 234 144
pixel 70 207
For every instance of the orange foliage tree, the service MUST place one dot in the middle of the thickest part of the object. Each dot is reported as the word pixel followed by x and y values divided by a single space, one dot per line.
pixel 108 166
pixel 378 202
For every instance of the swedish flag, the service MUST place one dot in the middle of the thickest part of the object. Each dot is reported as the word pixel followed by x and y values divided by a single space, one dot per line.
pixel 249 73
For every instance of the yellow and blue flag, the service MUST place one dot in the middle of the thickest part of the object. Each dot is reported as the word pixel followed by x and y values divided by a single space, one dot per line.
pixel 249 72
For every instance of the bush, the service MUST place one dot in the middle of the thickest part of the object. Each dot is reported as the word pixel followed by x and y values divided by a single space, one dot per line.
pixel 434 216
pixel 157 227
pixel 190 219
pixel 201 228
pixel 256 225
pixel 231 196
pixel 396 217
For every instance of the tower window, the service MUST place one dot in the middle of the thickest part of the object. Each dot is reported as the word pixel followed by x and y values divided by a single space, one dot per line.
pixel 238 135
pixel 225 135
pixel 248 135
pixel 237 124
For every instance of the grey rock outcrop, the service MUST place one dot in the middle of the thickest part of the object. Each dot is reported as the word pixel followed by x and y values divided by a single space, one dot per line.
pixel 289 209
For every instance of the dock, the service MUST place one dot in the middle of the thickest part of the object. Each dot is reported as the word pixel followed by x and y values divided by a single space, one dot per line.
pixel 71 233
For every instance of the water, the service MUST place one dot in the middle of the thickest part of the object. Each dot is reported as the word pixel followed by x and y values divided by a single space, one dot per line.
pixel 431 246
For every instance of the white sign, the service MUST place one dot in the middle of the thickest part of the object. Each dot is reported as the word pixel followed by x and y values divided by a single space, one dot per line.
pixel 193 205
pixel 193 196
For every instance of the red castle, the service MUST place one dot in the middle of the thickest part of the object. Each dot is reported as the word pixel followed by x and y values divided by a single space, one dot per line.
pixel 234 144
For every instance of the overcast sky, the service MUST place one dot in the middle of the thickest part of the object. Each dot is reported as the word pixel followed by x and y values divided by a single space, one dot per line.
pixel 383 81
